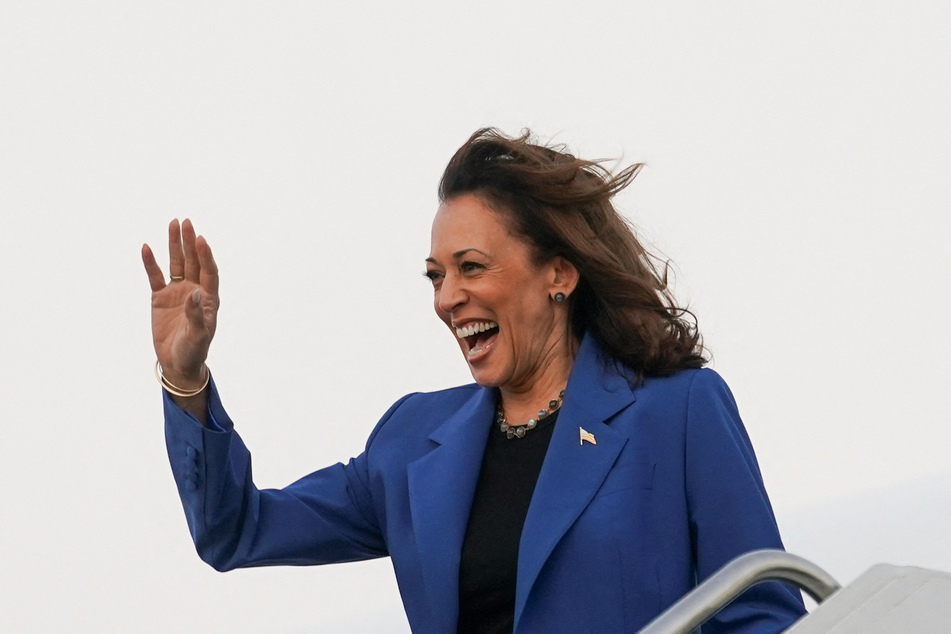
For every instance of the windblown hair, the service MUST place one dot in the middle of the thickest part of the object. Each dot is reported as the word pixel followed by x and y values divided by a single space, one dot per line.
pixel 562 206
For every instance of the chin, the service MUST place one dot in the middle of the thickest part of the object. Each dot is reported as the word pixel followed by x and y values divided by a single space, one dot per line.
pixel 482 378
pixel 487 376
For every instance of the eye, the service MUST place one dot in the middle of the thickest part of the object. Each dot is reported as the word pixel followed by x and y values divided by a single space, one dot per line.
pixel 433 275
pixel 470 267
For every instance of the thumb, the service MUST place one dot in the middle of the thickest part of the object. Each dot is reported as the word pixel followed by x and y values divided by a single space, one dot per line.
pixel 193 309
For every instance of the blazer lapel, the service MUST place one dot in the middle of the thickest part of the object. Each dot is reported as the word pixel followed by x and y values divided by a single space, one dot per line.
pixel 573 470
pixel 441 486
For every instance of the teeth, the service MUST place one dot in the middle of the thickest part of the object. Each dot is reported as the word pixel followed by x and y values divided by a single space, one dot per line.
pixel 473 328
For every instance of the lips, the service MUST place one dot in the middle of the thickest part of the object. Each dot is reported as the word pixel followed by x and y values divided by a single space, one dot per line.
pixel 478 337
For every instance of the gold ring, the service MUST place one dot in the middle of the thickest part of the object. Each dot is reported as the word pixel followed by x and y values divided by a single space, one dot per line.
pixel 176 278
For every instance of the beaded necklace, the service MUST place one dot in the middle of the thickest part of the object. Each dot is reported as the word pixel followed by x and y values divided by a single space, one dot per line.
pixel 519 431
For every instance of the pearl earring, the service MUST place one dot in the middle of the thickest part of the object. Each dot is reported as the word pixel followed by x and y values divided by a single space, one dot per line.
pixel 559 298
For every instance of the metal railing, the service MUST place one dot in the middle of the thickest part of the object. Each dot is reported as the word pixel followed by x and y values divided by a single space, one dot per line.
pixel 711 596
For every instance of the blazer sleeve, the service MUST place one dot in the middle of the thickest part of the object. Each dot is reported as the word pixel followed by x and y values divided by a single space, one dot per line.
pixel 325 517
pixel 729 510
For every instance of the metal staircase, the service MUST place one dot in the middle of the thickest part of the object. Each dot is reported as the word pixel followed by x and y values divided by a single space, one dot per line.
pixel 886 599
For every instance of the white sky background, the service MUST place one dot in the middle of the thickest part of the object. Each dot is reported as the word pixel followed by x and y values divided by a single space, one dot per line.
pixel 798 178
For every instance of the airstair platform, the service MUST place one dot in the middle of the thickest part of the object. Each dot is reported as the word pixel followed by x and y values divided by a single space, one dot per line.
pixel 885 599
pixel 892 599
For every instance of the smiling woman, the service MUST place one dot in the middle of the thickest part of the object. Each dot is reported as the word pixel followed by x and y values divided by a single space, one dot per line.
pixel 591 475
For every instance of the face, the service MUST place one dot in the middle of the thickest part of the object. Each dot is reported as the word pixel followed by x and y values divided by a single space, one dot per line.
pixel 493 297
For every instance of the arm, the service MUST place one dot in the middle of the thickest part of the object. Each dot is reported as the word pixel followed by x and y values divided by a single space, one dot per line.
pixel 730 513
pixel 326 517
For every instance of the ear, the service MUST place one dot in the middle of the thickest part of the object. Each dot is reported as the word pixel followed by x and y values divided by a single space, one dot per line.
pixel 564 276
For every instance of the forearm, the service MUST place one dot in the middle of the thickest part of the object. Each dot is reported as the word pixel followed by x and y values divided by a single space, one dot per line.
pixel 324 518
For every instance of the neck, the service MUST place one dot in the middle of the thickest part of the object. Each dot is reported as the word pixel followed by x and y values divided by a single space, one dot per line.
pixel 523 401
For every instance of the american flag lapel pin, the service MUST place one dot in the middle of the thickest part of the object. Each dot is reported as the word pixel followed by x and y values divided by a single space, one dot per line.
pixel 586 436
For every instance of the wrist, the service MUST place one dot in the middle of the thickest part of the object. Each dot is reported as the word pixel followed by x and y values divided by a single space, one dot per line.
pixel 182 384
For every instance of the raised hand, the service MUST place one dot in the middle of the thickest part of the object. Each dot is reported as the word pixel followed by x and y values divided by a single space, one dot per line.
pixel 185 310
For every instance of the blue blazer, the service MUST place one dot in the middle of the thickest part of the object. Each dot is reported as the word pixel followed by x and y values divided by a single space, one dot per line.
pixel 616 531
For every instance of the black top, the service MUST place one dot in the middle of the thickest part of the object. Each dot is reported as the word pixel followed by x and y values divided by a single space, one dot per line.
pixel 489 564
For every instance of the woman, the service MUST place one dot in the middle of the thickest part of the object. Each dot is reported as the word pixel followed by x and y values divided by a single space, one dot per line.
pixel 588 479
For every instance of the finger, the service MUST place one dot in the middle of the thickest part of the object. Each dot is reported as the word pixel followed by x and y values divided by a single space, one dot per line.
pixel 192 265
pixel 176 256
pixel 193 310
pixel 156 279
pixel 209 268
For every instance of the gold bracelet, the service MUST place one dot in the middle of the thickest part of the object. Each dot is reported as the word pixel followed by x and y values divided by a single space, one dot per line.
pixel 171 388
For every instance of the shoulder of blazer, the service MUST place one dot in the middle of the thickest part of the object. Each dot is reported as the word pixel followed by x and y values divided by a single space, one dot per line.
pixel 682 384
pixel 423 407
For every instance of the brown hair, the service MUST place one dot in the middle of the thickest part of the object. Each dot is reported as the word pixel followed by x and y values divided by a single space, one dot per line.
pixel 562 206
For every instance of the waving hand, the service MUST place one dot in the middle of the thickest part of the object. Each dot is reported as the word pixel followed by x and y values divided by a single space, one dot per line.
pixel 184 310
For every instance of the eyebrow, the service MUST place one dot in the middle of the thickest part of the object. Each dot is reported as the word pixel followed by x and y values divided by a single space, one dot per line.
pixel 457 255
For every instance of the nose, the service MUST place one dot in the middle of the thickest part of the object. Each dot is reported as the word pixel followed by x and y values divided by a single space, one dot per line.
pixel 450 295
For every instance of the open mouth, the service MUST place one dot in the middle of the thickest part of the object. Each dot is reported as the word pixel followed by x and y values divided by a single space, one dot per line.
pixel 478 337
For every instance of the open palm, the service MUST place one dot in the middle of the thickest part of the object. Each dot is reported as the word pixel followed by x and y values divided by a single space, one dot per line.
pixel 184 310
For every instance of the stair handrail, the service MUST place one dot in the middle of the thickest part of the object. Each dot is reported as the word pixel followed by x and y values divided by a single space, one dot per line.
pixel 700 604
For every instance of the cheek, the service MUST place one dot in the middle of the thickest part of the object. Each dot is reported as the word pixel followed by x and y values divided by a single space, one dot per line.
pixel 534 308
pixel 526 329
pixel 530 326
